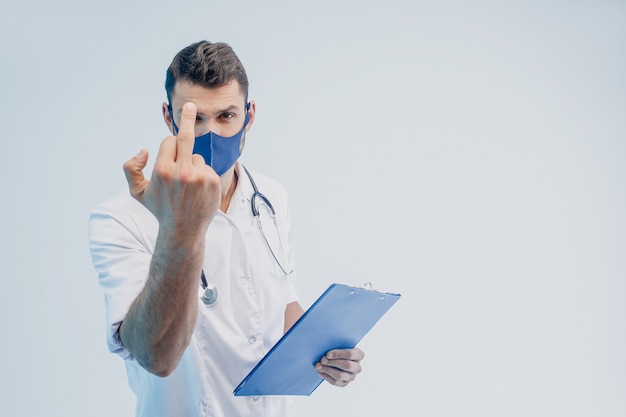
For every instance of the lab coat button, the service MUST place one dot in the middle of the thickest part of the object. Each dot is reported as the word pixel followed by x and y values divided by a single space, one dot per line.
pixel 252 339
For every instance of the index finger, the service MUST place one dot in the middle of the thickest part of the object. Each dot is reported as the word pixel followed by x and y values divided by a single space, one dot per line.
pixel 354 354
pixel 186 132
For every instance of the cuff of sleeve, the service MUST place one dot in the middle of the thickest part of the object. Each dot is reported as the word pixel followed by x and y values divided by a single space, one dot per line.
pixel 114 342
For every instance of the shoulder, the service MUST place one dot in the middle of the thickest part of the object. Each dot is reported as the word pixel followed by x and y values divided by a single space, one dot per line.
pixel 266 183
pixel 124 210
pixel 120 204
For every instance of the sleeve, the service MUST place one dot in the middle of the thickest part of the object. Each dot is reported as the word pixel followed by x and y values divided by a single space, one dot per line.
pixel 121 256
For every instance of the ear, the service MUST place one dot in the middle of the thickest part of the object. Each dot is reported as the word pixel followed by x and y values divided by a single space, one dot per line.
pixel 167 117
pixel 251 114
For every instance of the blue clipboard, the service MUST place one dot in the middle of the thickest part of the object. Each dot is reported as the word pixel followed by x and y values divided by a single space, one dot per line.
pixel 339 319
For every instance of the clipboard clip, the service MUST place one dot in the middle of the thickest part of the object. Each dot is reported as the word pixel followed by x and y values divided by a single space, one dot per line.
pixel 369 287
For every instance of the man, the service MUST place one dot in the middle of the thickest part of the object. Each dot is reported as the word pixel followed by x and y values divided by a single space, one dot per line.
pixel 196 291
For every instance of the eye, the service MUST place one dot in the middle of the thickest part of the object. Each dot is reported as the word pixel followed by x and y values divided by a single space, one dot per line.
pixel 227 116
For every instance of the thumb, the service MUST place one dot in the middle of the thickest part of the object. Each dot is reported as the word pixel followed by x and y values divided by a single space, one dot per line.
pixel 133 169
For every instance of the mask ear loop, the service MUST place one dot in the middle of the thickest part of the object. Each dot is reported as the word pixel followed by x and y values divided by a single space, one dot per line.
pixel 174 127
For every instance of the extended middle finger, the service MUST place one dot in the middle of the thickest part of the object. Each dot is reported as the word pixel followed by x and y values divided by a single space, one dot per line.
pixel 186 133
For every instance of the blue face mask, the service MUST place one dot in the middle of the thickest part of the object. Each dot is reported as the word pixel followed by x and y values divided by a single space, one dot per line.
pixel 219 152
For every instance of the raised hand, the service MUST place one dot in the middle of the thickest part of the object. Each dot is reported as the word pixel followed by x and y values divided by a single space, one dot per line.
pixel 184 192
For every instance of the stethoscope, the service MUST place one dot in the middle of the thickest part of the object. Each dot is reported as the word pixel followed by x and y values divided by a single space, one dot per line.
pixel 210 294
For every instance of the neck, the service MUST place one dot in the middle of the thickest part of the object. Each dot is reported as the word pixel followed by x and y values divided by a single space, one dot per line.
pixel 229 184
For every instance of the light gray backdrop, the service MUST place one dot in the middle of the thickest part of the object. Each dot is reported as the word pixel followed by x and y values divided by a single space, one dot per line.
pixel 470 155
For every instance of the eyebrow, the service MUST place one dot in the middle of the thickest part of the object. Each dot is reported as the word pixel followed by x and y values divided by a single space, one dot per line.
pixel 231 108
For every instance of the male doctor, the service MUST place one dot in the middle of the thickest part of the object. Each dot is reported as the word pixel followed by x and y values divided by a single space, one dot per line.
pixel 196 293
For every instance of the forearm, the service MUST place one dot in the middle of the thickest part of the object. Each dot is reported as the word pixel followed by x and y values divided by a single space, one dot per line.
pixel 159 324
pixel 293 312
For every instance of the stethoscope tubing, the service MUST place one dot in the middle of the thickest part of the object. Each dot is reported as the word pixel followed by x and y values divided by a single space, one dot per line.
pixel 210 295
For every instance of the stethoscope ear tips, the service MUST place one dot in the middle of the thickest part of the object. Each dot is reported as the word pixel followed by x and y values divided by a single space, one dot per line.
pixel 210 295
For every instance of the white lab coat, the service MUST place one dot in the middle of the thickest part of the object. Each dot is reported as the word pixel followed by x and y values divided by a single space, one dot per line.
pixel 231 336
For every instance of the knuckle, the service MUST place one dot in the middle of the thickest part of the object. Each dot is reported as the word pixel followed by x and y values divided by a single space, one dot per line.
pixel 198 159
pixel 355 354
pixel 162 171
pixel 185 136
pixel 212 179
pixel 168 141
pixel 187 174
pixel 215 186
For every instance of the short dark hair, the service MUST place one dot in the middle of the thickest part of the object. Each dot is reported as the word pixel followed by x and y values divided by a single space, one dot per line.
pixel 210 65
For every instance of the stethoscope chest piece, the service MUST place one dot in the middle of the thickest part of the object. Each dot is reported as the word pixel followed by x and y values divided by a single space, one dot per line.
pixel 208 292
pixel 210 295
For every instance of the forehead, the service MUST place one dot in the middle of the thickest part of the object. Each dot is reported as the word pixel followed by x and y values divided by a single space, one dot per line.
pixel 208 99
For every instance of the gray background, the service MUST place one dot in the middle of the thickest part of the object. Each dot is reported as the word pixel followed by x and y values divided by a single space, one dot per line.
pixel 469 155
